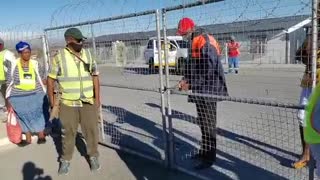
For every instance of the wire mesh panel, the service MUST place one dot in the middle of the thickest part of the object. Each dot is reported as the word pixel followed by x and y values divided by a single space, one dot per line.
pixel 126 50
pixel 246 50
pixel 248 140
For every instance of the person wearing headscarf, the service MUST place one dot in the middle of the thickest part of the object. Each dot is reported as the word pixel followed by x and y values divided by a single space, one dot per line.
pixel 26 94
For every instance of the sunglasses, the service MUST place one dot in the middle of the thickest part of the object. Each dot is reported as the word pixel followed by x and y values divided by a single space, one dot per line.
pixel 79 40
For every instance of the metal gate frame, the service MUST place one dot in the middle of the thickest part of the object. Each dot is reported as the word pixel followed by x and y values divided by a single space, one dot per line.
pixel 161 91
pixel 170 90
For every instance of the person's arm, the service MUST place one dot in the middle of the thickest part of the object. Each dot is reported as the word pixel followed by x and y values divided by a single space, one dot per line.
pixel 9 78
pixel 184 83
pixel 51 79
pixel 237 45
pixel 96 87
pixel 50 90
pixel 96 83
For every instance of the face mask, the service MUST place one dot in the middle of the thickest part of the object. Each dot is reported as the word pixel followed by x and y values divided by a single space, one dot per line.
pixel 76 46
pixel 187 37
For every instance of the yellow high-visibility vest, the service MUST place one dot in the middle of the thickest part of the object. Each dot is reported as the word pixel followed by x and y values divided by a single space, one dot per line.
pixel 312 130
pixel 27 79
pixel 2 74
pixel 75 78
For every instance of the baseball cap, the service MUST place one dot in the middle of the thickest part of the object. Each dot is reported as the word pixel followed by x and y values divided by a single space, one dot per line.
pixel 185 24
pixel 75 33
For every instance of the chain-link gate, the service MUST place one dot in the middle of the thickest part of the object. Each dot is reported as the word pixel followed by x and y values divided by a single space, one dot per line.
pixel 254 132
pixel 255 128
pixel 126 49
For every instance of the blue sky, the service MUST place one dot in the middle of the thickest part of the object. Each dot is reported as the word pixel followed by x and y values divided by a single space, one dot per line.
pixel 44 13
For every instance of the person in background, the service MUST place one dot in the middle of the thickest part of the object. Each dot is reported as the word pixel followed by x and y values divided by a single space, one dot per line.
pixel 6 58
pixel 75 70
pixel 233 54
pixel 203 74
pixel 26 94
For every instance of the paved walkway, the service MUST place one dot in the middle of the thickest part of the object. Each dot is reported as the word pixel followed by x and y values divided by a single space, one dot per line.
pixel 39 162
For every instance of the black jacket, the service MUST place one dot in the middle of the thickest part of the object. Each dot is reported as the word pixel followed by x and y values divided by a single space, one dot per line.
pixel 205 74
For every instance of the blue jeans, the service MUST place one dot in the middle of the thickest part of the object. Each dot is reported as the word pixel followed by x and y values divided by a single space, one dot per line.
pixel 233 63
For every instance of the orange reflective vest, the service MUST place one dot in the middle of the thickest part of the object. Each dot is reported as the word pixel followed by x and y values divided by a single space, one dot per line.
pixel 199 41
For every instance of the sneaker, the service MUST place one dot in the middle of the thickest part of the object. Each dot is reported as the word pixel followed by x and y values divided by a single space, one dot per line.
pixel 64 167
pixel 94 164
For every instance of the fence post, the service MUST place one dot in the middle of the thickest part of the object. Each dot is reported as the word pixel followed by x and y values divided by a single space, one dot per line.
pixel 314 41
pixel 93 41
pixel 95 56
pixel 287 49
pixel 169 110
pixel 314 65
pixel 226 53
pixel 164 119
pixel 45 53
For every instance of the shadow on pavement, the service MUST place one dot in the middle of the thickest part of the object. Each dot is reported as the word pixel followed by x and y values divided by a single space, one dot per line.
pixel 123 137
pixel 31 172
pixel 241 168
pixel 57 139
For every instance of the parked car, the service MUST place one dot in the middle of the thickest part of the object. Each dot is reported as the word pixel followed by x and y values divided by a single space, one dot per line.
pixel 177 53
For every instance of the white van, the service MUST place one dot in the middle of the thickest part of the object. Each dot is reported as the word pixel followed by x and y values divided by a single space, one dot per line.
pixel 177 53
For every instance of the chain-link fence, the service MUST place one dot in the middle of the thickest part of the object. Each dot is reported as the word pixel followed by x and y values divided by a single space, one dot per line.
pixel 231 124
pixel 29 34
pixel 251 131
pixel 129 79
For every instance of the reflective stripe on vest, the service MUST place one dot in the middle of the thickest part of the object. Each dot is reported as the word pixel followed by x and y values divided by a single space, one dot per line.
pixel 27 79
pixel 2 74
pixel 312 130
pixel 199 41
pixel 76 83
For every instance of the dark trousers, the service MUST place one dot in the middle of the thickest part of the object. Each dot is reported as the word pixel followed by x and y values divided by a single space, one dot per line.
pixel 207 120
pixel 71 117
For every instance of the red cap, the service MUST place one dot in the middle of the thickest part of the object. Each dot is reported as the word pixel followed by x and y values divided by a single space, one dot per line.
pixel 185 25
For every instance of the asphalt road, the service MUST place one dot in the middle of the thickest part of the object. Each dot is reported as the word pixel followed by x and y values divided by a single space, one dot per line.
pixel 253 141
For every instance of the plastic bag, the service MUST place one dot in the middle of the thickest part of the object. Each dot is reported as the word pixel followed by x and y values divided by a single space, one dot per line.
pixel 13 127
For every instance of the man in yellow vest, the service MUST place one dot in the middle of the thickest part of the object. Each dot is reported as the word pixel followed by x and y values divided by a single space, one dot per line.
pixel 75 70
pixel 6 57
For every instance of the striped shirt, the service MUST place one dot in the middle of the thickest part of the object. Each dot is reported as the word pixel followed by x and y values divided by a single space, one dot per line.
pixel 16 81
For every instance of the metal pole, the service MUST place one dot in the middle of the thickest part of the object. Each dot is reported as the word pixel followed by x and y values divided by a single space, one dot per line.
pixel 45 54
pixel 93 41
pixel 287 48
pixel 171 152
pixel 164 123
pixel 100 108
pixel 226 53
pixel 314 63
pixel 314 41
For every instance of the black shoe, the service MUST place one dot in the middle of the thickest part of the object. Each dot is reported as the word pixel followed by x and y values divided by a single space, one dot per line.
pixel 203 165
pixel 41 141
pixel 198 155
pixel 23 143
